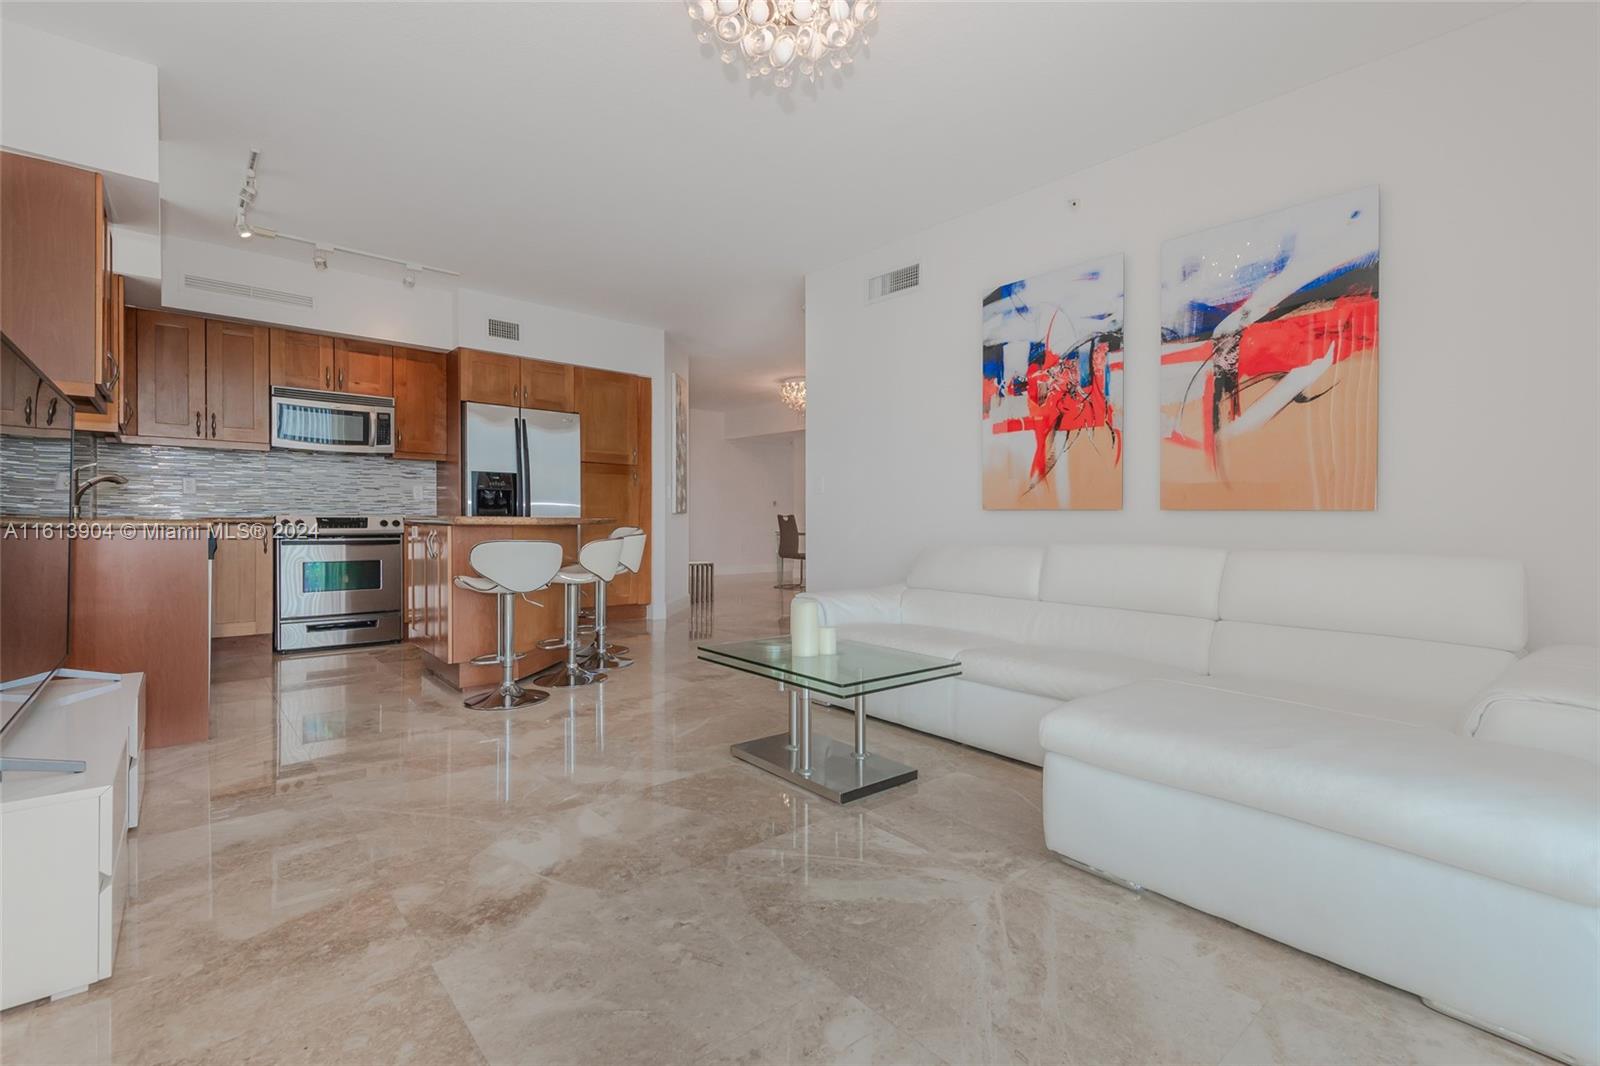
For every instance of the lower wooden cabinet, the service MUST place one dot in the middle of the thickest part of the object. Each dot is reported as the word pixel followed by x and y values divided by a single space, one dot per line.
pixel 428 589
pixel 241 582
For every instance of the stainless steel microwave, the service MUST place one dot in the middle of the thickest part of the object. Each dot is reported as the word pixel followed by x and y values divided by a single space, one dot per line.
pixel 313 421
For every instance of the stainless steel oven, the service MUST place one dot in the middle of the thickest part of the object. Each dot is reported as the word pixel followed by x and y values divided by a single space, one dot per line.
pixel 339 582
pixel 312 421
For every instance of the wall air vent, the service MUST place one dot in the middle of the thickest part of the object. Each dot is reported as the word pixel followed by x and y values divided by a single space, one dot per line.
pixel 893 283
pixel 249 292
pixel 506 331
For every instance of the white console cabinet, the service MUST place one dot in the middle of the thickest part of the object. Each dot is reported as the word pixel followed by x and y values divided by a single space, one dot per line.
pixel 63 836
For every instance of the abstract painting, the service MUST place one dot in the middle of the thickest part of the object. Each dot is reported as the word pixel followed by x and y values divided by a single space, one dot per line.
pixel 1052 390
pixel 680 445
pixel 1269 361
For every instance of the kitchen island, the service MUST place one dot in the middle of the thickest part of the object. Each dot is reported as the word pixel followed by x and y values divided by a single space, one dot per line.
pixel 451 625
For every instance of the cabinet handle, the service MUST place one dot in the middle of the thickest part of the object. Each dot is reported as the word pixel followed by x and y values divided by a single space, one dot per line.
pixel 341 379
pixel 116 371
pixel 197 423
pixel 636 459
pixel 636 477
pixel 327 377
pixel 213 423
pixel 127 411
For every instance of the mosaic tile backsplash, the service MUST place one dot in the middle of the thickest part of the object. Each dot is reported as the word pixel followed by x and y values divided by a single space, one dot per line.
pixel 226 483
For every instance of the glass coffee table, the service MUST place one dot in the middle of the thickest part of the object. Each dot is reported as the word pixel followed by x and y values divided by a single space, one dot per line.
pixel 838 771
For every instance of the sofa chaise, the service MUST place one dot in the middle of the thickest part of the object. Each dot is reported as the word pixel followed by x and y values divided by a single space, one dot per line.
pixel 1342 751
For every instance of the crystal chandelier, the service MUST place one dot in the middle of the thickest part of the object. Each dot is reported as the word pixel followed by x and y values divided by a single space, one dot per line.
pixel 793 391
pixel 783 38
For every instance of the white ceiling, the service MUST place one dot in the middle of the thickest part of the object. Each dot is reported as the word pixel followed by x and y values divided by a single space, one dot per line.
pixel 594 156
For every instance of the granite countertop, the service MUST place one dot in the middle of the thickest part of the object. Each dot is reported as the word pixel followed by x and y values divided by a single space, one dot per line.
pixel 503 520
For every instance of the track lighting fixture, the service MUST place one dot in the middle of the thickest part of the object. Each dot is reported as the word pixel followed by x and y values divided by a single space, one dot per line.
pixel 320 252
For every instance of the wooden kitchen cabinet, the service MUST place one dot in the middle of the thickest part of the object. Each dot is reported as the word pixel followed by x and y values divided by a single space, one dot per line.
pixel 363 367
pixel 546 386
pixel 241 582
pixel 616 490
pixel 238 402
pixel 171 376
pixel 428 589
pixel 607 404
pixel 420 409
pixel 489 377
pixel 139 605
pixel 119 404
pixel 54 269
pixel 301 360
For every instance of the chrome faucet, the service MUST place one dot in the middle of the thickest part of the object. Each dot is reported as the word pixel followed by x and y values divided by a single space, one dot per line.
pixel 100 479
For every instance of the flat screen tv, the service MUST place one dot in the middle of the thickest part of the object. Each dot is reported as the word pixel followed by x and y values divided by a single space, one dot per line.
pixel 36 422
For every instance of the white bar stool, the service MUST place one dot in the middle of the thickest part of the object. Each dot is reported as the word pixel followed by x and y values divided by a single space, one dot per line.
pixel 601 654
pixel 509 568
pixel 597 562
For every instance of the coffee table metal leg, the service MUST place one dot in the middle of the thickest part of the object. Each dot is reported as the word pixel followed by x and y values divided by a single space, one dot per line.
pixel 805 732
pixel 794 720
pixel 861 727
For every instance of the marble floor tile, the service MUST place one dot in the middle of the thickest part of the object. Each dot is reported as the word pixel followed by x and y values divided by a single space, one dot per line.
pixel 355 868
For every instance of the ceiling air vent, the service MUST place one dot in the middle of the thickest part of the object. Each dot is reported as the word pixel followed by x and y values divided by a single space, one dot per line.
pixel 506 331
pixel 893 283
pixel 249 292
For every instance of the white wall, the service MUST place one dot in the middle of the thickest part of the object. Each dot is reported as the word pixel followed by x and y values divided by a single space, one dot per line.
pixel 1483 144
pixel 737 488
pixel 79 105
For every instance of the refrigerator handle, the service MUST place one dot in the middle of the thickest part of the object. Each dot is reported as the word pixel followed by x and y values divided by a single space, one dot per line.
pixel 524 473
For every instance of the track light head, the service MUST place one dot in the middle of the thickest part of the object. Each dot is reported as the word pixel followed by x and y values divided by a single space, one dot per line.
pixel 409 278
pixel 319 256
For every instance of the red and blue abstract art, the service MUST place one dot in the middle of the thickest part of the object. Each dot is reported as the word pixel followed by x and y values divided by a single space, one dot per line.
pixel 1052 390
pixel 1269 361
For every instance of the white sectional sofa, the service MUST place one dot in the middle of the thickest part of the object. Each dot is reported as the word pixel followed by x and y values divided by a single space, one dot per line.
pixel 1340 751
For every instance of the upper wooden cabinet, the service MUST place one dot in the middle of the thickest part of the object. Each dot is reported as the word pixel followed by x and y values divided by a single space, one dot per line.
pixel 608 411
pixel 171 377
pixel 419 404
pixel 301 360
pixel 489 377
pixel 546 386
pixel 238 406
pixel 54 269
pixel 363 367
pixel 199 381
pixel 119 404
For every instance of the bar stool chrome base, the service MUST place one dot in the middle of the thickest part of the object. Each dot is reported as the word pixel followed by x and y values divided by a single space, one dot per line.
pixel 593 660
pixel 568 675
pixel 505 698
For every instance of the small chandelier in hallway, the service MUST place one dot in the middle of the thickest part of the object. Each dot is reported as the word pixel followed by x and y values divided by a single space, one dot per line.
pixel 793 391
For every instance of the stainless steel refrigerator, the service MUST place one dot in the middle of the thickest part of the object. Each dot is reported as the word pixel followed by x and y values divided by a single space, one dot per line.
pixel 516 461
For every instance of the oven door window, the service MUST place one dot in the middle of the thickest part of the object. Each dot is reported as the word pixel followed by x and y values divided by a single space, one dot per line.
pixel 341 575
pixel 309 424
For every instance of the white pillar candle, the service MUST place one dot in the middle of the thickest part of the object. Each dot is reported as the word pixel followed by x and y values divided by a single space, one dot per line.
pixel 827 641
pixel 803 623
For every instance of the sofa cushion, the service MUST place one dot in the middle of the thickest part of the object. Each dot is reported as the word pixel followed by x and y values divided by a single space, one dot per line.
pixel 1060 673
pixel 1134 577
pixel 1522 816
pixel 1384 667
pixel 923 640
pixel 1444 716
pixel 1008 570
pixel 1549 700
pixel 1421 597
